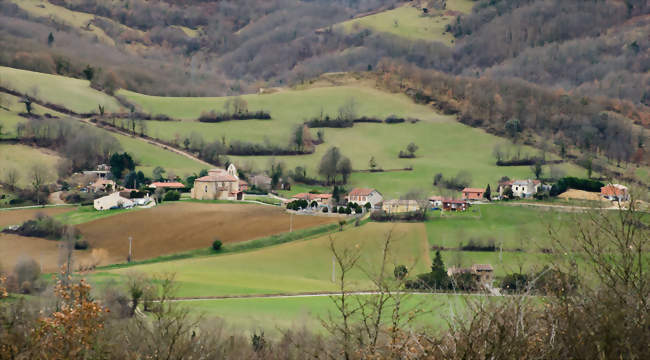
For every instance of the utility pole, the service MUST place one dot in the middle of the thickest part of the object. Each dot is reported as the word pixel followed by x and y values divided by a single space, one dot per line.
pixel 130 248
pixel 291 222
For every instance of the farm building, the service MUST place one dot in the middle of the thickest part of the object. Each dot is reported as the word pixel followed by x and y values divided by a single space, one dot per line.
pixel 219 184
pixel 102 185
pixel 473 193
pixel 260 181
pixel 520 188
pixel 448 204
pixel 320 199
pixel 172 185
pixel 122 199
pixel 101 171
pixel 400 206
pixel 484 272
pixel 615 192
pixel 113 201
pixel 362 196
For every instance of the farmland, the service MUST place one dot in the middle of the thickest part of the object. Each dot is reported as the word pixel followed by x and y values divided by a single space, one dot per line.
pixel 183 226
pixel 295 267
pixel 273 315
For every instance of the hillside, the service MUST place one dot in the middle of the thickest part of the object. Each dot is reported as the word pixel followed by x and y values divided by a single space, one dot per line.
pixel 445 146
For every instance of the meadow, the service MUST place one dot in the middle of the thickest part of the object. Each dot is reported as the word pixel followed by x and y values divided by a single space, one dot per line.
pixel 75 94
pixel 275 315
pixel 295 267
pixel 409 22
pixel 22 157
pixel 446 146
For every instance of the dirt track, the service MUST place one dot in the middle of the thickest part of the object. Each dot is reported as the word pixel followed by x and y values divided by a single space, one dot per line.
pixel 182 226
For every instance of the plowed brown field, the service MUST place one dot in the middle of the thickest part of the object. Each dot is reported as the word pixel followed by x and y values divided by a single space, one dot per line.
pixel 17 217
pixel 182 226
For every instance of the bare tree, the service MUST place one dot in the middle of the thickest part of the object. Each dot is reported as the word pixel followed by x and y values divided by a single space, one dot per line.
pixel 39 174
pixel 11 177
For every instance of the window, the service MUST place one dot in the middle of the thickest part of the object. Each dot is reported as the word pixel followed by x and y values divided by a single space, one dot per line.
pixel 206 188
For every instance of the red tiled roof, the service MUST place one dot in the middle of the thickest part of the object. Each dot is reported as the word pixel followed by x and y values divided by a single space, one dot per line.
pixel 474 190
pixel 220 177
pixel 482 267
pixel 360 192
pixel 454 201
pixel 613 190
pixel 172 185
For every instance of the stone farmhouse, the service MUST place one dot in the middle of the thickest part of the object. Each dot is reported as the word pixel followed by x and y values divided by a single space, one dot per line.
pixel 219 184
pixel 400 206
pixel 520 188
pixel 484 273
pixel 362 196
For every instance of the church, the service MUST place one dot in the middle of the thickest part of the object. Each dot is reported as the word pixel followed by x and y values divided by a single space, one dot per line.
pixel 219 184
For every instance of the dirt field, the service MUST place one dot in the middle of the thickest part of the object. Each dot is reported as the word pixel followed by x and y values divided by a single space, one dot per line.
pixel 17 217
pixel 181 226
pixel 45 252
pixel 579 195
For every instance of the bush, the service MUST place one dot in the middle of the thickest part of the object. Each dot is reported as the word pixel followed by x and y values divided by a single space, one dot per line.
pixel 325 210
pixel 81 245
pixel 42 226
pixel 576 183
pixel 216 245
pixel 382 216
pixel 172 195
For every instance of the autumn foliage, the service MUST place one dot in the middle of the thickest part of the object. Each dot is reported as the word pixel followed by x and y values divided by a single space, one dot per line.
pixel 73 329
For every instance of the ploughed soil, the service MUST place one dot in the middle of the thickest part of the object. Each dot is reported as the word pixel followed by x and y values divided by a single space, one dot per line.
pixel 13 248
pixel 182 226
pixel 17 217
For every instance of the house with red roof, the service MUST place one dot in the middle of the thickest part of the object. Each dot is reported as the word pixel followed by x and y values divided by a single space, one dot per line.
pixel 473 194
pixel 173 185
pixel 219 184
pixel 320 199
pixel 362 196
pixel 615 192
pixel 448 204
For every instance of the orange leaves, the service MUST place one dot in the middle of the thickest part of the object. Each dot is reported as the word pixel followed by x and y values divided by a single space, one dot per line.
pixel 3 289
pixel 71 330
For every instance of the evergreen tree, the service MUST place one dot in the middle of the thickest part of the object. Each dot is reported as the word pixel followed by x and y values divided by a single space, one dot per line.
pixel 50 39
pixel 488 193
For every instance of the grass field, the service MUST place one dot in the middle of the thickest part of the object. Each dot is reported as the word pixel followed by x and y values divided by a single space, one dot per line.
pixel 446 146
pixel 273 315
pixel 301 266
pixel 75 94
pixel 22 157
pixel 410 22
pixel 508 226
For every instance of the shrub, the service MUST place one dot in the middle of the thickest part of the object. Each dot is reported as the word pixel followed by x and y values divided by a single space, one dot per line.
pixel 325 209
pixel 172 195
pixel 81 245
pixel 43 226
pixel 400 272
pixel 342 210
pixel 216 245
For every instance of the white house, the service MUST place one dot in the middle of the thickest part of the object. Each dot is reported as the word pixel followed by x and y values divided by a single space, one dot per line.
pixel 362 196
pixel 520 188
pixel 113 201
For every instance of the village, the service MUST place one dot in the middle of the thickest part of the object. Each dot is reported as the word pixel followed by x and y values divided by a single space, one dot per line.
pixel 226 185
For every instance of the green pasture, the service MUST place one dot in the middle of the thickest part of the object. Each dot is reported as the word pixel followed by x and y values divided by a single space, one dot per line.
pixel 74 94
pixel 9 119
pixel 295 267
pixel 287 107
pixel 512 227
pixel 149 156
pixel 407 22
pixel 22 157
pixel 84 214
pixel 274 315
pixel 445 147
